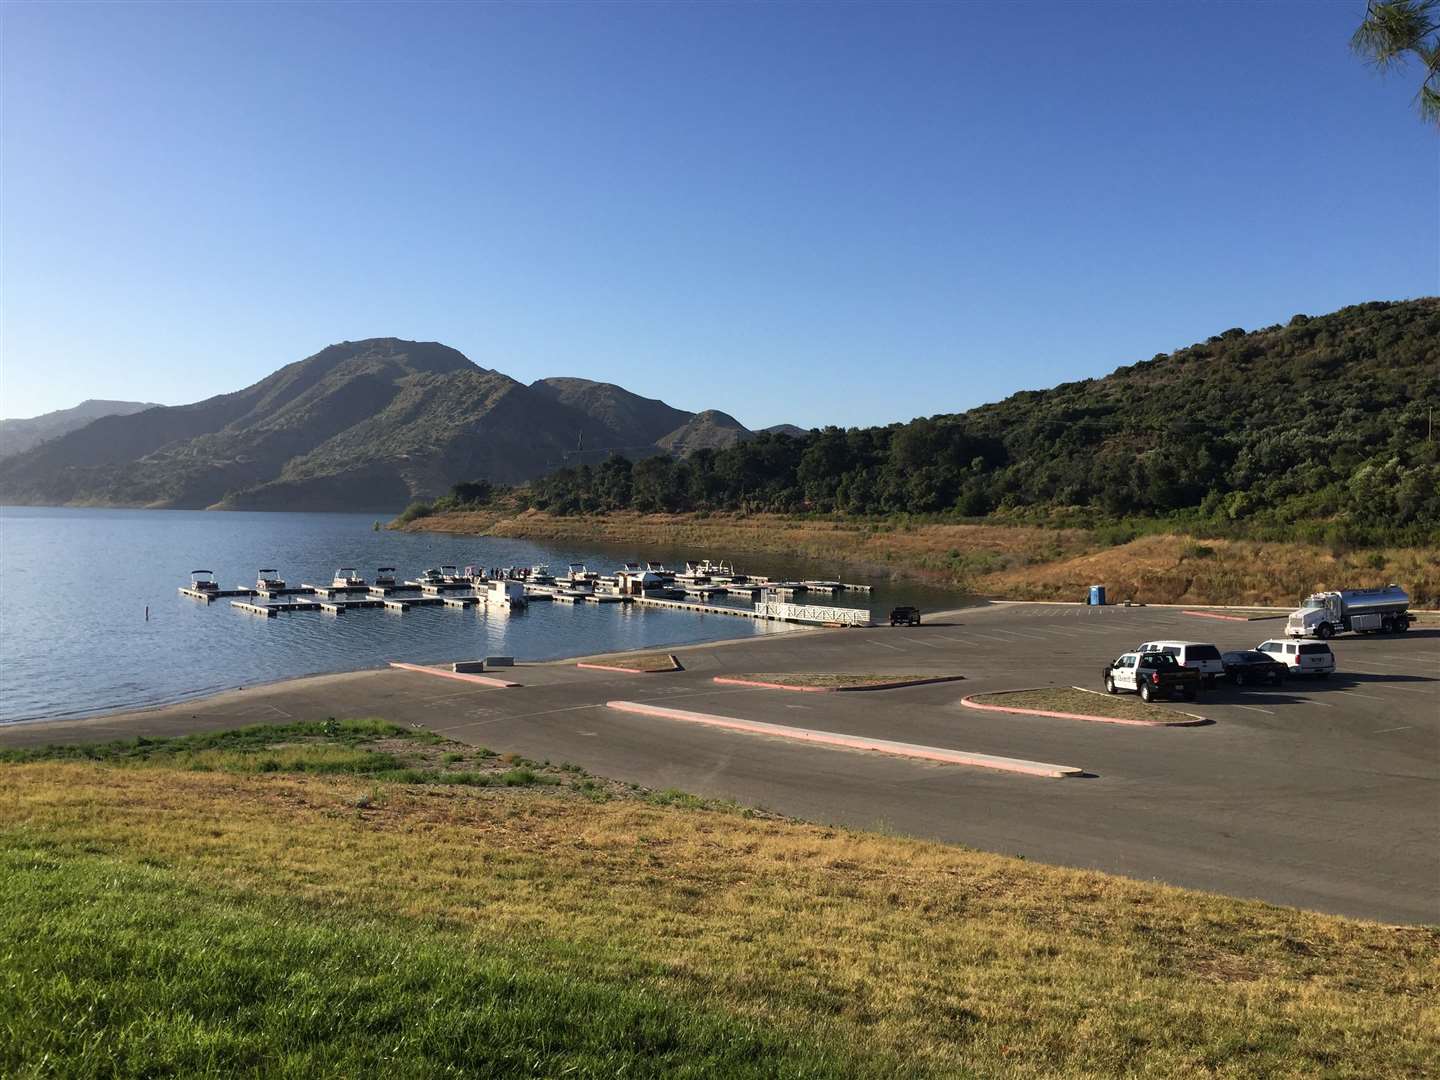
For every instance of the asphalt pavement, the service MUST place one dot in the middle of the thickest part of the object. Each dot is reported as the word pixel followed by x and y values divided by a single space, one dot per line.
pixel 1322 794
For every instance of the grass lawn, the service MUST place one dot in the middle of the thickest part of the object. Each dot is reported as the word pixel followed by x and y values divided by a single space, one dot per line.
pixel 1068 699
pixel 168 909
pixel 835 680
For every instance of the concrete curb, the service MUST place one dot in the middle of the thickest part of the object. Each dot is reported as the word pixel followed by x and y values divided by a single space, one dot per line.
pixel 481 679
pixel 851 742
pixel 969 703
pixel 674 666
pixel 727 681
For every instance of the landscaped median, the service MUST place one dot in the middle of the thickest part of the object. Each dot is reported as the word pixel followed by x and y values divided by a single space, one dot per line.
pixel 637 664
pixel 1073 703
pixel 828 682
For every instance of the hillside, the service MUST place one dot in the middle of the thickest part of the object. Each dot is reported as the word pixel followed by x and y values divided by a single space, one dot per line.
pixel 1312 430
pixel 20 434
pixel 709 430
pixel 366 425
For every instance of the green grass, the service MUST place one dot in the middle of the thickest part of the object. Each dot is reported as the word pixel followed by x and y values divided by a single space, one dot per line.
pixel 184 921
pixel 318 747
pixel 118 970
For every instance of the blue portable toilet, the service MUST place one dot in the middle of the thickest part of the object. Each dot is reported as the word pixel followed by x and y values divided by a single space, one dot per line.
pixel 1097 595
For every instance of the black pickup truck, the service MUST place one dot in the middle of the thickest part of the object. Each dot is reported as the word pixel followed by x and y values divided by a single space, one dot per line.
pixel 1151 675
pixel 905 616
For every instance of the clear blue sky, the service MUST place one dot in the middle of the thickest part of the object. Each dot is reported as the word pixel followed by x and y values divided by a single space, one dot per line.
pixel 817 213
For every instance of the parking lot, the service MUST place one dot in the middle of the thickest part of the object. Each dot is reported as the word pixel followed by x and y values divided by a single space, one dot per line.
pixel 1323 794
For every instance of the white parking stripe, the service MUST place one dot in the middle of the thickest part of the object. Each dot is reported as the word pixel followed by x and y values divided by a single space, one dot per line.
pixel 1356 693
pixel 1021 633
pixel 1254 708
pixel 1409 690
pixel 885 645
pixel 1319 704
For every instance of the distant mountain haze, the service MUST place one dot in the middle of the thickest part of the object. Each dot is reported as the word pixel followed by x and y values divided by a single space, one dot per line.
pixel 361 425
pixel 21 434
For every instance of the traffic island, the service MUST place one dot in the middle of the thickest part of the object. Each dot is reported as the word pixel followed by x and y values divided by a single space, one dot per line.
pixel 1074 703
pixel 639 664
pixel 830 682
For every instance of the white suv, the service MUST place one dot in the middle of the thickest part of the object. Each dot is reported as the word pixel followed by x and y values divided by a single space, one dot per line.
pixel 1301 657
pixel 1203 656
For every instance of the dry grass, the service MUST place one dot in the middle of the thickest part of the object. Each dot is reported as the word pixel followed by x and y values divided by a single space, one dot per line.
pixel 1177 570
pixel 1068 699
pixel 833 680
pixel 653 663
pixel 955 962
pixel 1014 562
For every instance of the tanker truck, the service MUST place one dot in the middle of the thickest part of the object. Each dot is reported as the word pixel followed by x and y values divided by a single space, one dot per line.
pixel 1363 611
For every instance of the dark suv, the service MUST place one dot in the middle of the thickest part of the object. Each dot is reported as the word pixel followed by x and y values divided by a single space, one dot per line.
pixel 905 616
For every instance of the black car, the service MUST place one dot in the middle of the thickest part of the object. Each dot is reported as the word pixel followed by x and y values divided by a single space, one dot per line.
pixel 1252 667
pixel 905 616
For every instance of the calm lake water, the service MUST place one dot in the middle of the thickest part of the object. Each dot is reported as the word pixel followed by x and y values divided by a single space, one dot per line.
pixel 74 585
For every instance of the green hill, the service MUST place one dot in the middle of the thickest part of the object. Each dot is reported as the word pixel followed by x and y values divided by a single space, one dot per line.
pixel 1320 423
pixel 363 425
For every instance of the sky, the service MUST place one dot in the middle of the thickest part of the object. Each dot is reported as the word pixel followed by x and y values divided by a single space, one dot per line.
pixel 809 213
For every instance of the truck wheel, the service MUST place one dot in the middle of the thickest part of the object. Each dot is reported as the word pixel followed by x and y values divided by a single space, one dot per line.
pixel 1401 625
pixel 1326 632
pixel 1239 678
pixel 1146 694
pixel 1387 625
pixel 1109 685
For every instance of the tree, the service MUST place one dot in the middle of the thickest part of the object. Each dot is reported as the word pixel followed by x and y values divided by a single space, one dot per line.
pixel 1392 32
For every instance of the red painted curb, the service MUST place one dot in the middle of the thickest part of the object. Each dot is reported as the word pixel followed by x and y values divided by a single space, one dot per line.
pixel 970 704
pixel 851 742
pixel 423 670
pixel 1212 615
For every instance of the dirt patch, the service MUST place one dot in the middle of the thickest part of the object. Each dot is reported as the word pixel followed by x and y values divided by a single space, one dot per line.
pixel 1064 699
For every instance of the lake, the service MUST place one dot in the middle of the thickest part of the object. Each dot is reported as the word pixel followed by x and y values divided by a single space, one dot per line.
pixel 75 583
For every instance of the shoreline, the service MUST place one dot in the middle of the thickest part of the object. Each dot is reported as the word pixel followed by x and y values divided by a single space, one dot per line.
pixel 289 682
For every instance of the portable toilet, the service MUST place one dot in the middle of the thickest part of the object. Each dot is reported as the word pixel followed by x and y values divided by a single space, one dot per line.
pixel 1097 595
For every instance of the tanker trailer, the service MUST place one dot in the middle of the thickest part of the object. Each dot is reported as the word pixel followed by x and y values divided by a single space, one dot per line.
pixel 1363 611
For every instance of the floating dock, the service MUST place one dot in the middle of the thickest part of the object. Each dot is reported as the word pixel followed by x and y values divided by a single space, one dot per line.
pixel 214 594
pixel 271 610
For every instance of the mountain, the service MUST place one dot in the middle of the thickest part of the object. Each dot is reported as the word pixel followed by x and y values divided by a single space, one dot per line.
pixel 361 425
pixel 1320 429
pixel 785 429
pixel 638 422
pixel 708 430
pixel 19 435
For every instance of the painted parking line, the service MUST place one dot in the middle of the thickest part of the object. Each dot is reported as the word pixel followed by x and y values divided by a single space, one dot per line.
pixel 887 645
pixel 1254 708
pixel 1023 634
pixel 1410 690
pixel 991 637
pixel 960 641
pixel 1356 693
pixel 928 644
pixel 1386 731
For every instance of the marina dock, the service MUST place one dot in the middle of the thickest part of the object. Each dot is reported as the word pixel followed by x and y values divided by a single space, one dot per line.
pixel 214 594
pixel 701 587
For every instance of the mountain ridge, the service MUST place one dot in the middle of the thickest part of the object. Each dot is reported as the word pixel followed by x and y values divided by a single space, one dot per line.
pixel 366 425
